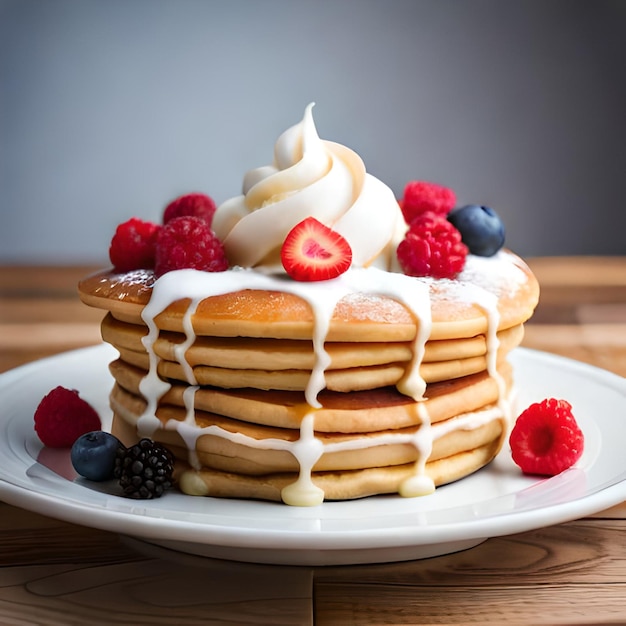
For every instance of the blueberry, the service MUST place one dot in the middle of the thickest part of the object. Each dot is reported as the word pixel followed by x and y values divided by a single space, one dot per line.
pixel 93 455
pixel 482 231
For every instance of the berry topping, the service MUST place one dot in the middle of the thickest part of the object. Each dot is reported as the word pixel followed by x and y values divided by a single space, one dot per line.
pixel 93 455
pixel 144 470
pixel 191 204
pixel 133 245
pixel 481 229
pixel 432 247
pixel 62 417
pixel 546 439
pixel 189 243
pixel 312 251
pixel 423 197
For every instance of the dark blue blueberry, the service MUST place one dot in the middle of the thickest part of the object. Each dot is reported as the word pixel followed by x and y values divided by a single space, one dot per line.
pixel 481 229
pixel 93 455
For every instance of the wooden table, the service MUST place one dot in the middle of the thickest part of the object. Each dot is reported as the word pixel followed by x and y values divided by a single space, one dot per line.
pixel 53 572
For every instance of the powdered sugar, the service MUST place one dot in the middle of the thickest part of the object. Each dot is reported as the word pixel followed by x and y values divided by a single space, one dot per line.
pixel 499 274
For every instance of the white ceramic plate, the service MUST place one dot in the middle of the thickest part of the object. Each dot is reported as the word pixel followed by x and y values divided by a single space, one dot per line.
pixel 495 501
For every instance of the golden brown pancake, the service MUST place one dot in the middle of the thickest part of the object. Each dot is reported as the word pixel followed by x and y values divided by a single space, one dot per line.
pixel 275 314
pixel 336 485
pixel 284 354
pixel 217 452
pixel 371 410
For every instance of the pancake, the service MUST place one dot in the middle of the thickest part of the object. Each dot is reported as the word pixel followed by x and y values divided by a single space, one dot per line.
pixel 282 354
pixel 262 313
pixel 247 453
pixel 382 408
pixel 354 379
pixel 335 485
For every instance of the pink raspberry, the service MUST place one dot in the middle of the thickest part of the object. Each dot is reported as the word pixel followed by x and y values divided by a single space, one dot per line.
pixel 191 204
pixel 422 197
pixel 432 247
pixel 189 243
pixel 546 438
pixel 133 245
pixel 62 417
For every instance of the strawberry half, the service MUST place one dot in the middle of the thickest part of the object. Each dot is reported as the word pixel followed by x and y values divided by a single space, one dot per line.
pixel 312 251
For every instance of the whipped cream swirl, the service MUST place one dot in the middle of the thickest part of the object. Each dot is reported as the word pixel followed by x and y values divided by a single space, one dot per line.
pixel 310 177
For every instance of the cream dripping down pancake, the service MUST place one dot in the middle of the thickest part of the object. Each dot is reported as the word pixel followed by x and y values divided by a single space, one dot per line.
pixel 267 387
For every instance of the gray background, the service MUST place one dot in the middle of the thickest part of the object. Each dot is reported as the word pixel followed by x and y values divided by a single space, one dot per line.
pixel 108 109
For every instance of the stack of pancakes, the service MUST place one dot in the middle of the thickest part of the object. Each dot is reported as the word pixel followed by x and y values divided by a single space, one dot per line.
pixel 223 384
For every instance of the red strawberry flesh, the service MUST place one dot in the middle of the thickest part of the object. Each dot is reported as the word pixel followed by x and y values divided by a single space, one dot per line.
pixel 312 252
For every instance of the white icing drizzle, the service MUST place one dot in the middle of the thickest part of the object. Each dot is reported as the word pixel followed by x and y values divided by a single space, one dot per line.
pixel 151 386
pixel 189 397
pixel 189 400
pixel 420 484
pixel 322 297
pixel 180 350
pixel 307 450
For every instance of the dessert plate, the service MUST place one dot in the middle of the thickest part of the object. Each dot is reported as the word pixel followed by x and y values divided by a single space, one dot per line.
pixel 496 501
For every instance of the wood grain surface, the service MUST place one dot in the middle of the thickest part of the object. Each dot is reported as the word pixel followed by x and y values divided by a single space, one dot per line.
pixel 54 573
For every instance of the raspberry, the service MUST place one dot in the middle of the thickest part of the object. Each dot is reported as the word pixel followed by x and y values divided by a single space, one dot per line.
pixel 191 204
pixel 432 247
pixel 422 197
pixel 62 417
pixel 189 243
pixel 546 439
pixel 133 245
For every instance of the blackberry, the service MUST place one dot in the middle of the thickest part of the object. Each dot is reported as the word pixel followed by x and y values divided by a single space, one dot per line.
pixel 144 470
